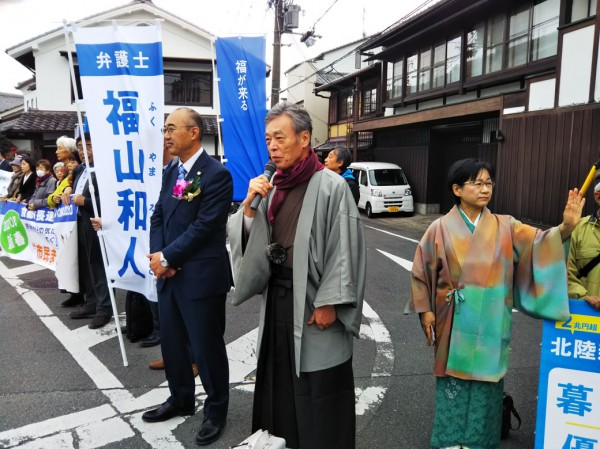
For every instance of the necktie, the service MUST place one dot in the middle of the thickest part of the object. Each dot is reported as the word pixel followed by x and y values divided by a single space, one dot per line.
pixel 182 172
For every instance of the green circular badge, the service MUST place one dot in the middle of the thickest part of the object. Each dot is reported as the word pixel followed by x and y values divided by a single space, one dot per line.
pixel 13 237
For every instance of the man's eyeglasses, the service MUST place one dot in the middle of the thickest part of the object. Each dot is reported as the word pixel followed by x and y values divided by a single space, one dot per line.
pixel 480 184
pixel 171 129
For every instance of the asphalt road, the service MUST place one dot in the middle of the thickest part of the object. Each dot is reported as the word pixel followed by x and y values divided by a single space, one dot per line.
pixel 65 386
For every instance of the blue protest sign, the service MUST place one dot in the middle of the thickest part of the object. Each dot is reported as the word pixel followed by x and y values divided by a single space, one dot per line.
pixel 242 93
pixel 568 413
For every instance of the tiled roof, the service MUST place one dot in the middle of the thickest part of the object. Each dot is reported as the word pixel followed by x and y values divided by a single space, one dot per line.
pixel 326 78
pixel 45 121
pixel 9 101
pixel 42 121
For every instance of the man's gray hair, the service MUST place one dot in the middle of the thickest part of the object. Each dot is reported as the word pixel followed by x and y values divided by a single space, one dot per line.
pixel 343 155
pixel 67 142
pixel 597 188
pixel 300 119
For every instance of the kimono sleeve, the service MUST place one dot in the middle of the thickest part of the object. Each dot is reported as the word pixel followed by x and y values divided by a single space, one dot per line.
pixel 424 273
pixel 540 276
pixel 251 268
pixel 576 288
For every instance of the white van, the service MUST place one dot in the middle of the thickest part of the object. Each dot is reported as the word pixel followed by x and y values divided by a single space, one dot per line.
pixel 383 188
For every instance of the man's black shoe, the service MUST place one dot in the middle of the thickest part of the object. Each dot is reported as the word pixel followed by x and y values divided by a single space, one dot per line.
pixel 74 300
pixel 82 312
pixel 99 321
pixel 210 431
pixel 152 340
pixel 165 412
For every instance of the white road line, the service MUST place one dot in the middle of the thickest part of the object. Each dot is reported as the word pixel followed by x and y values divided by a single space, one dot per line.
pixel 20 271
pixel 101 425
pixel 406 264
pixel 391 233
pixel 51 426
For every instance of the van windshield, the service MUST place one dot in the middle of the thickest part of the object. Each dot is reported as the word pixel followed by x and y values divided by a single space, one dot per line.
pixel 387 177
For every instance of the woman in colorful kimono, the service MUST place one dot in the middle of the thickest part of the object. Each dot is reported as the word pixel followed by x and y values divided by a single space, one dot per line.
pixel 470 269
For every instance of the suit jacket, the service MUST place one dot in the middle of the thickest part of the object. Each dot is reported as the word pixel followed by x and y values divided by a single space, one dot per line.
pixel 5 165
pixel 191 235
pixel 87 210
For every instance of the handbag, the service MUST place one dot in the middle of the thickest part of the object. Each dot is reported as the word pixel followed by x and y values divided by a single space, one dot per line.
pixel 508 411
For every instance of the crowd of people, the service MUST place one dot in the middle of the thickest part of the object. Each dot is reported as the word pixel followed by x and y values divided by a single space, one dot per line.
pixel 302 250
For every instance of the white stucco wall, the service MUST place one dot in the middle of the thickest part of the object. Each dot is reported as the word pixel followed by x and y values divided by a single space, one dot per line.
pixel 301 81
pixel 53 85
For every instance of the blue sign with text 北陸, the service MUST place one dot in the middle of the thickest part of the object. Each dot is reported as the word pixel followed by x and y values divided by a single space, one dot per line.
pixel 568 413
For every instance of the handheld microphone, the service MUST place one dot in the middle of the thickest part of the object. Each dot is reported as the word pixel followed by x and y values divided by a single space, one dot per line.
pixel 270 169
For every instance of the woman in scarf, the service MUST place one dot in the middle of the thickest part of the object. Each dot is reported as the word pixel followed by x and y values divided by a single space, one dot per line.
pixel 44 185
pixel 471 267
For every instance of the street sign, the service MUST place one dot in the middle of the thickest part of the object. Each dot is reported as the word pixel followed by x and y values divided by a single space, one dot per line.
pixel 568 413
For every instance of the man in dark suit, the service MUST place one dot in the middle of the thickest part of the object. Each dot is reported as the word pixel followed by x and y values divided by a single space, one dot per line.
pixel 92 274
pixel 5 163
pixel 191 263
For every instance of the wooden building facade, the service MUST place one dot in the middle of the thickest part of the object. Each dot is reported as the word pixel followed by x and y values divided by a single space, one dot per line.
pixel 512 82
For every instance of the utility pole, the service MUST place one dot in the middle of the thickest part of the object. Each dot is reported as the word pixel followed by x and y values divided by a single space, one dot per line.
pixel 276 69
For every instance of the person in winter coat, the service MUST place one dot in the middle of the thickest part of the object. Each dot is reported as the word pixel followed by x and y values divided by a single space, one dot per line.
pixel 44 185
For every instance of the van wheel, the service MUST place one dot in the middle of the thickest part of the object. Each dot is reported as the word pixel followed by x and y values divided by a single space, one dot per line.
pixel 370 213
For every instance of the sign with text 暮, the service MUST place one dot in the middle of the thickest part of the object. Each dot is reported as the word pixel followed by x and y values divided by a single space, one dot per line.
pixel 121 71
pixel 568 413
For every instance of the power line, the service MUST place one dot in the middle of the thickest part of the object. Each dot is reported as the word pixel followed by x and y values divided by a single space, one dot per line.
pixel 323 68
pixel 334 2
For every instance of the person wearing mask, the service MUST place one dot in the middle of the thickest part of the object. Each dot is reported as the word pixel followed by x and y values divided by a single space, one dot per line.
pixel 45 184
pixel 28 181
pixel 338 161
pixel 470 269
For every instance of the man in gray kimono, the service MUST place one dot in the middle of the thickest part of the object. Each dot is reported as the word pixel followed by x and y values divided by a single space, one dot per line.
pixel 304 251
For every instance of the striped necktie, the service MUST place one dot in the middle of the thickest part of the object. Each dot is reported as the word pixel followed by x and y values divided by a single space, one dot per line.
pixel 182 172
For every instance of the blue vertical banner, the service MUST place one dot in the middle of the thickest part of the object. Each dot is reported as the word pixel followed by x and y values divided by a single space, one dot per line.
pixel 121 70
pixel 242 70
pixel 568 412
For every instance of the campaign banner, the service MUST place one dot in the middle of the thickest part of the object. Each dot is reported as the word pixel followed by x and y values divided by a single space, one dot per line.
pixel 568 409
pixel 5 177
pixel 30 235
pixel 242 95
pixel 121 70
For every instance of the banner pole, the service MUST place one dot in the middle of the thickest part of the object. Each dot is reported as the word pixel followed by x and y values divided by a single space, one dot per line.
pixel 111 292
pixel 220 149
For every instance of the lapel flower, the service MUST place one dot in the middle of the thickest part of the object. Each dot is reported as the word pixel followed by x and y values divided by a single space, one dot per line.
pixel 187 190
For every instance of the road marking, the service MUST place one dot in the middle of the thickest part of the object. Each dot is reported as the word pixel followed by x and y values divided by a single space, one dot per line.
pixel 406 264
pixel 116 421
pixel 391 233
pixel 24 269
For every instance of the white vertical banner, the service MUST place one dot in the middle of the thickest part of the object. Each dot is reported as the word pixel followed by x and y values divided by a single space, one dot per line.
pixel 121 71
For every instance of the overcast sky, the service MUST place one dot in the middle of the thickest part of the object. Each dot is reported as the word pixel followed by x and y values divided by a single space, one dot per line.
pixel 337 21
